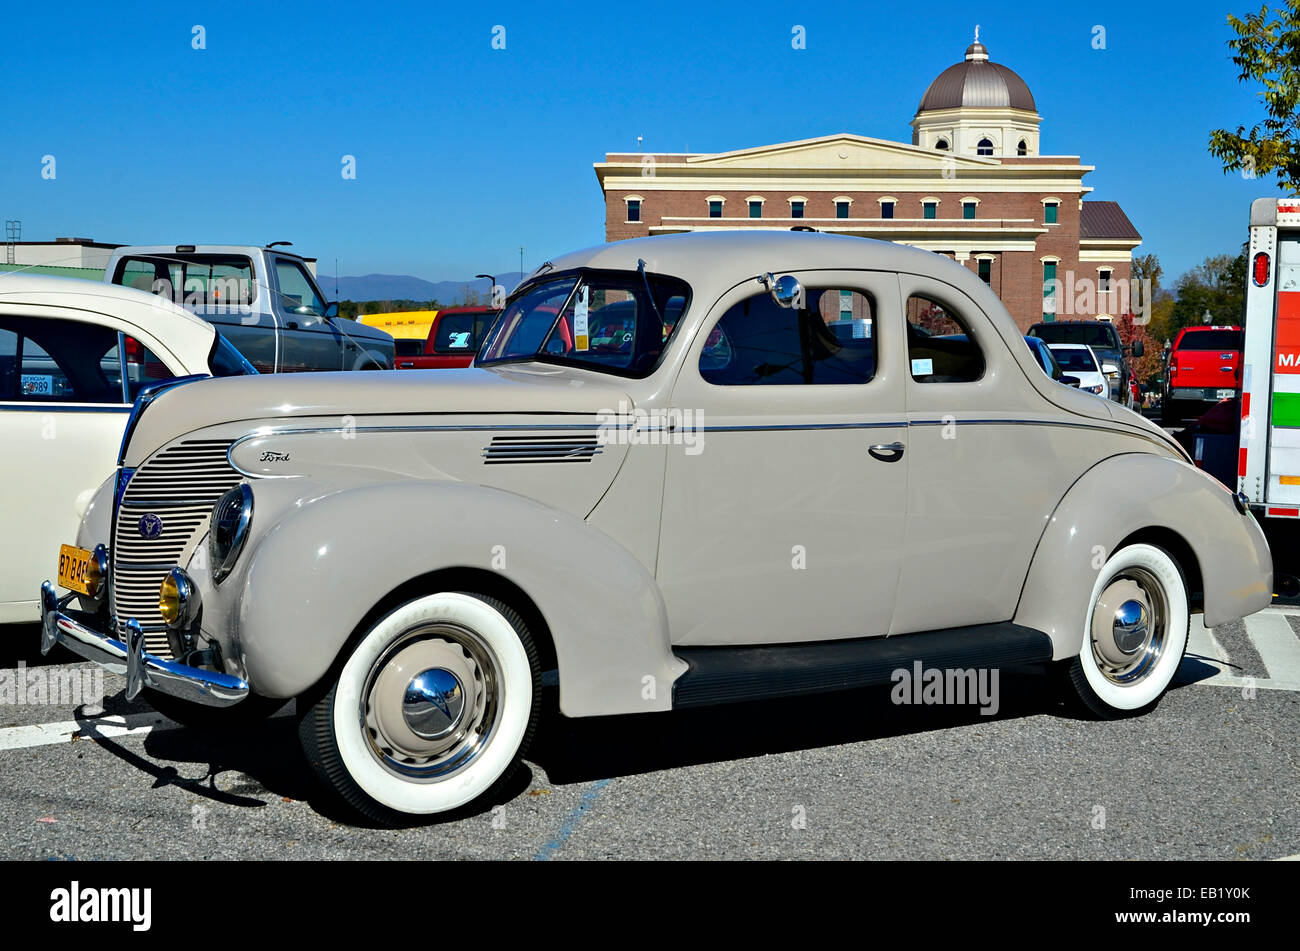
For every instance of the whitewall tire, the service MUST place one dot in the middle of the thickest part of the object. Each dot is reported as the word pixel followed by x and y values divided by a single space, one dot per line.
pixel 432 709
pixel 1134 633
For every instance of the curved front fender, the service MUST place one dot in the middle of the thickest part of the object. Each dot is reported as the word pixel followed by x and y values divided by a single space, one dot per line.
pixel 309 580
pixel 1131 493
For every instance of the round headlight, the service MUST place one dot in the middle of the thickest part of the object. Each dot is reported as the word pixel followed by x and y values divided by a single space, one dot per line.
pixel 228 529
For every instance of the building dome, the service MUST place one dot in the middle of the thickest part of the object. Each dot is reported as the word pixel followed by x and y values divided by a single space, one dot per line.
pixel 978 83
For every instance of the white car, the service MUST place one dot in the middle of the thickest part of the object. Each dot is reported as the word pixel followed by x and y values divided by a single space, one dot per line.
pixel 1078 360
pixel 73 356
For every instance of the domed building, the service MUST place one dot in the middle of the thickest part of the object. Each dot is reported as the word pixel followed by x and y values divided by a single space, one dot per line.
pixel 972 184
pixel 978 107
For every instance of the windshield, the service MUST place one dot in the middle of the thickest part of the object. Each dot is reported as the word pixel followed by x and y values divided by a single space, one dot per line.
pixel 1070 359
pixel 617 322
pixel 209 281
pixel 227 361
pixel 1094 334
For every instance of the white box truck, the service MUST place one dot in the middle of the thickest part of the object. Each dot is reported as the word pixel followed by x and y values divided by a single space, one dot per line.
pixel 1268 446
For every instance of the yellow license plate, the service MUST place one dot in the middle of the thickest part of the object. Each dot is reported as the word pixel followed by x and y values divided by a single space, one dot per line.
pixel 74 569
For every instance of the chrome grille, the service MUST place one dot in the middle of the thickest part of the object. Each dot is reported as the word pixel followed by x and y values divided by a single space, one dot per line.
pixel 508 449
pixel 179 485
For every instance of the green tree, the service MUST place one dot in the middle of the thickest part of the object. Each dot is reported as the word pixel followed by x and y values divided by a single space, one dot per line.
pixel 1267 51
pixel 1216 287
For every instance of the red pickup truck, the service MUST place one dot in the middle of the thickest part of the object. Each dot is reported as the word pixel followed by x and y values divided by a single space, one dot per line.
pixel 1204 368
pixel 454 338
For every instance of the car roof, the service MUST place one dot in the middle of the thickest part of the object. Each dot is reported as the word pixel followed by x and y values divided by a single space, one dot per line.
pixel 687 254
pixel 1067 346
pixel 162 250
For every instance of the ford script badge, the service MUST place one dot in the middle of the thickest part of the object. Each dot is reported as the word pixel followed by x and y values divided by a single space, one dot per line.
pixel 151 526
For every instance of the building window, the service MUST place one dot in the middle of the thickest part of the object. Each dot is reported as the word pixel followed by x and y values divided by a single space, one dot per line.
pixel 1022 148
pixel 1049 213
pixel 986 270
pixel 715 208
pixel 886 209
pixel 796 209
pixel 1103 280
pixel 968 210
pixel 930 209
pixel 1049 290
pixel 985 147
pixel 634 209
pixel 942 145
pixel 842 208
pixel 755 209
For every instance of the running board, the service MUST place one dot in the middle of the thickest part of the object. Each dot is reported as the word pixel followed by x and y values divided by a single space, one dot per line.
pixel 732 674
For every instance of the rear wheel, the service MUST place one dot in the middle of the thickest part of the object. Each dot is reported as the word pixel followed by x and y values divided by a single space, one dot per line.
pixel 430 712
pixel 1135 634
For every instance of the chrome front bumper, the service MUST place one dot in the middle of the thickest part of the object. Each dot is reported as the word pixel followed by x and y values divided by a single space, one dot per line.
pixel 74 630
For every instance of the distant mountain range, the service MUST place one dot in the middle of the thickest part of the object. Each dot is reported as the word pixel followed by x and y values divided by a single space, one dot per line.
pixel 404 287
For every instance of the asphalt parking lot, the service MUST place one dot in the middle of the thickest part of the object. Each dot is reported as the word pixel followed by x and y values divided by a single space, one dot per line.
pixel 1212 773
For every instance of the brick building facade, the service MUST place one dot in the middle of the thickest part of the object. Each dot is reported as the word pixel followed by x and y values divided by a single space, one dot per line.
pixel 971 185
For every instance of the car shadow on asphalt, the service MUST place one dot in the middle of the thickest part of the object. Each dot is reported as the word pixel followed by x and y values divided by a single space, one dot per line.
pixel 266 760
pixel 579 750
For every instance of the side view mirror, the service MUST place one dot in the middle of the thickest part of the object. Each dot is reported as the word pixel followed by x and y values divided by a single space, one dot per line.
pixel 331 310
pixel 1070 381
pixel 1139 348
pixel 785 290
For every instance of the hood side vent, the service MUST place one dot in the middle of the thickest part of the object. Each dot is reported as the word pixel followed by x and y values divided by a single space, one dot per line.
pixel 533 449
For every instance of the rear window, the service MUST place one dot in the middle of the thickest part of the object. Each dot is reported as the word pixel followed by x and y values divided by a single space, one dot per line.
pixel 193 280
pixel 1211 340
pixel 1075 360
pixel 1097 334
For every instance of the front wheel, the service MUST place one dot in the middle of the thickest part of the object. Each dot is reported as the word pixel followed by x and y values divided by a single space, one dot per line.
pixel 1135 634
pixel 431 711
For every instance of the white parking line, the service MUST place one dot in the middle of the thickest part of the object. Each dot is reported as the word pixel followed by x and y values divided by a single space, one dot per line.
pixel 1274 640
pixel 48 734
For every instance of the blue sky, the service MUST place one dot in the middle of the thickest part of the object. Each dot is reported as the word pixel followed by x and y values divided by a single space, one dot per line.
pixel 464 153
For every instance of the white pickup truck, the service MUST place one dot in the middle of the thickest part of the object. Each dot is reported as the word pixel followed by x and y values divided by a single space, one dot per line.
pixel 265 301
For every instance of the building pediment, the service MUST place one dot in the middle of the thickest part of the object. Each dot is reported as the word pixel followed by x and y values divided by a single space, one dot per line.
pixel 837 151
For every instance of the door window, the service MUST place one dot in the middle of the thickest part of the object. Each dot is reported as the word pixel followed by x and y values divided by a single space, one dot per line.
pixel 831 340
pixel 58 361
pixel 297 290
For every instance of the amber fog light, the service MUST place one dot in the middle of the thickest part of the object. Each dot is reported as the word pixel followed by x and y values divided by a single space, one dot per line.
pixel 97 572
pixel 177 600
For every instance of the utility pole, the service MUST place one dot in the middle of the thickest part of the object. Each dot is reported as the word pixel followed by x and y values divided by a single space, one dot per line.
pixel 521 262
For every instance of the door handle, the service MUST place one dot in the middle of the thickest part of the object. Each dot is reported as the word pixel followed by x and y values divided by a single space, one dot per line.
pixel 887 451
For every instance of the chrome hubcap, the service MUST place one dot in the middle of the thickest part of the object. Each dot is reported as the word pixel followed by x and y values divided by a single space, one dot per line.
pixel 1128 627
pixel 431 702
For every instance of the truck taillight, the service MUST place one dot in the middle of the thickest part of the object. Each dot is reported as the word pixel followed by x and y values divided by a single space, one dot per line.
pixel 1261 269
pixel 134 351
pixel 1173 364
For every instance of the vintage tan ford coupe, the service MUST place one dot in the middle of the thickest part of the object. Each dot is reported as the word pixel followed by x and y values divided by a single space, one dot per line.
pixel 684 470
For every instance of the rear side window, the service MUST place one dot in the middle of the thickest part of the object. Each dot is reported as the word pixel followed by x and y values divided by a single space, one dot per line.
pixel 1211 340
pixel 939 347
pixel 830 341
